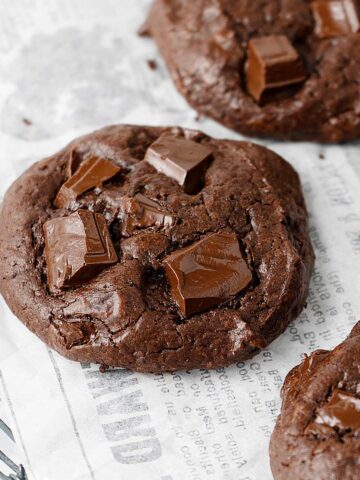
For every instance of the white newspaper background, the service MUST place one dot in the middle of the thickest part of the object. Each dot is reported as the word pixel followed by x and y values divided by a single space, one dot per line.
pixel 67 68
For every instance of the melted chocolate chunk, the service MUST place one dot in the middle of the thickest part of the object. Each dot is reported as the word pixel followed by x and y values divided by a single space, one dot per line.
pixel 181 159
pixel 319 431
pixel 300 373
pixel 90 174
pixel 311 361
pixel 77 248
pixel 272 63
pixel 141 212
pixel 207 273
pixel 334 18
pixel 342 411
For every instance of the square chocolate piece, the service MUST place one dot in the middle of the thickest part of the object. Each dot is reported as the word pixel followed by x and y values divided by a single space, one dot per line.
pixel 181 159
pixel 77 248
pixel 334 18
pixel 272 63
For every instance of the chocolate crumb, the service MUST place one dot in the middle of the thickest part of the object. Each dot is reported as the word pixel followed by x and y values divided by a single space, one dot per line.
pixel 152 64
pixel 103 368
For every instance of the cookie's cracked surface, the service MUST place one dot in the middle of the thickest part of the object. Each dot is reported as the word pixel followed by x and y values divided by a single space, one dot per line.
pixel 317 434
pixel 126 315
pixel 205 44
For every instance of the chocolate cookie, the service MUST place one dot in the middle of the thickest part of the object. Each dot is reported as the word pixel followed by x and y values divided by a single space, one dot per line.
pixel 156 249
pixel 317 435
pixel 287 69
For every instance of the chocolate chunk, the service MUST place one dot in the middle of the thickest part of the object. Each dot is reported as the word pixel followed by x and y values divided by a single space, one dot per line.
pixel 141 212
pixel 304 370
pixel 184 160
pixel 73 163
pixel 310 362
pixel 272 63
pixel 92 173
pixel 207 273
pixel 319 431
pixel 334 18
pixel 341 411
pixel 77 248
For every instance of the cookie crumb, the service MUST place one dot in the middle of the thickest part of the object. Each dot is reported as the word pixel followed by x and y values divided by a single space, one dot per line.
pixel 152 64
pixel 103 368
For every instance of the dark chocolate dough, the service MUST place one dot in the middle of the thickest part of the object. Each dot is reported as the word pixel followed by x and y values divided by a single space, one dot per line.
pixel 125 313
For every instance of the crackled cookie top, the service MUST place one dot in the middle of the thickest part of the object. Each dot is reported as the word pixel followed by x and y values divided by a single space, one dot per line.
pixel 156 248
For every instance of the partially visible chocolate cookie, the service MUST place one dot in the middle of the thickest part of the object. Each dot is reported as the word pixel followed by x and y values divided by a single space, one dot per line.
pixel 317 435
pixel 156 249
pixel 286 69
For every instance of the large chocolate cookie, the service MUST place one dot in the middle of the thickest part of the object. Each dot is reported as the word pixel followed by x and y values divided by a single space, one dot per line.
pixel 156 249
pixel 287 69
pixel 317 435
